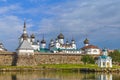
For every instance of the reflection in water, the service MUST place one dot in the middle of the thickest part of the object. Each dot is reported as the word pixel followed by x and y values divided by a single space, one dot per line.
pixel 13 77
pixel 57 76
pixel 105 77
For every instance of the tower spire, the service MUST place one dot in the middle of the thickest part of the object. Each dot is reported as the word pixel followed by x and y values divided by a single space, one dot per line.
pixel 24 28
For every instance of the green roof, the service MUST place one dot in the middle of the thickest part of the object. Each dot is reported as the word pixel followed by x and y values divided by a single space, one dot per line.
pixel 44 50
pixel 104 57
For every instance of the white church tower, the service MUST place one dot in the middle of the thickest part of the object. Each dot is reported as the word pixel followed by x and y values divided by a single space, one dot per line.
pixel 25 47
pixel 86 42
pixel 73 44
pixel 24 35
pixel 61 38
pixel 43 43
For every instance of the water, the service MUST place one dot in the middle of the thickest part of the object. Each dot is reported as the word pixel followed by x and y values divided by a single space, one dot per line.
pixel 58 76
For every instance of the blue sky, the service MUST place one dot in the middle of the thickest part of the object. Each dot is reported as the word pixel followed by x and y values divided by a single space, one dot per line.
pixel 98 20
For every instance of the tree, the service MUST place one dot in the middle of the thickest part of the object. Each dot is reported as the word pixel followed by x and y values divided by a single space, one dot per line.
pixel 87 59
pixel 115 56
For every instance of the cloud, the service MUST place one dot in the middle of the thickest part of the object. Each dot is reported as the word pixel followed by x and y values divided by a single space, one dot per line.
pixel 98 19
pixel 79 18
pixel 9 9
pixel 3 0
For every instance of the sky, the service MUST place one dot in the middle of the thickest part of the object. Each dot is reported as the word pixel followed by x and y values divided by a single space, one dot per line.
pixel 97 20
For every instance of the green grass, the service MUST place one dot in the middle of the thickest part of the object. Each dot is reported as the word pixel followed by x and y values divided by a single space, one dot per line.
pixel 57 66
pixel 68 66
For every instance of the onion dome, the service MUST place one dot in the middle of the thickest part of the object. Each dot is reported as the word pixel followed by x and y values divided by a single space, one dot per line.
pixel 67 42
pixel 72 39
pixel 32 36
pixel 60 36
pixel 86 41
pixel 51 40
pixel 43 41
pixel 38 41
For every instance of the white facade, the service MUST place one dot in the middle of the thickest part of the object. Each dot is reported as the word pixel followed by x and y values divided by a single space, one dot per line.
pixel 92 51
pixel 104 60
pixel 43 45
pixel 61 41
pixel 36 47
pixel 25 52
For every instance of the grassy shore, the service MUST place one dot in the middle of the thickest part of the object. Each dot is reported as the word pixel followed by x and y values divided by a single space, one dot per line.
pixel 71 67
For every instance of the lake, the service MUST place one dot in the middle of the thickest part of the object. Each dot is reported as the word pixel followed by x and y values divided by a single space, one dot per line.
pixel 51 75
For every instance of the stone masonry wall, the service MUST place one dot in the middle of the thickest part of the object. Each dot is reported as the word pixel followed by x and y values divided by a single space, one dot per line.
pixel 58 59
pixel 6 58
pixel 39 58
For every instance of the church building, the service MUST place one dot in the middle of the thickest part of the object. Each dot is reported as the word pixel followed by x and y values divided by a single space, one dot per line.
pixel 90 49
pixel 60 46
pixel 27 44
pixel 104 60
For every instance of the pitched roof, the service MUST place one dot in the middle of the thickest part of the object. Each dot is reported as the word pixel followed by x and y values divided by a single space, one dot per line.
pixel 2 47
pixel 89 47
pixel 25 45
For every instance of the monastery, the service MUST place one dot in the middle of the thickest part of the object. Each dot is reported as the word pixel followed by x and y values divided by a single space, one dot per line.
pixel 29 45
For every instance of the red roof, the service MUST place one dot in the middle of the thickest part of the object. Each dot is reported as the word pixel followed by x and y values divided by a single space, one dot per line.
pixel 89 47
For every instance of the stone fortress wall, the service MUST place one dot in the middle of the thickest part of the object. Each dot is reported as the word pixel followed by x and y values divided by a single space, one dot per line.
pixel 10 58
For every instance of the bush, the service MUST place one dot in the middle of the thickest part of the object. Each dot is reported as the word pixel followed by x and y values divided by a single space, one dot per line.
pixel 87 59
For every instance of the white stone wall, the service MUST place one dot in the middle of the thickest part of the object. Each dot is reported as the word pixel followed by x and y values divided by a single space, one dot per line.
pixel 1 49
pixel 25 52
pixel 36 47
pixel 61 41
pixel 43 45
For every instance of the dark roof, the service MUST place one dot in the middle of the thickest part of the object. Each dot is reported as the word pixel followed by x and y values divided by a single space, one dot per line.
pixel 86 41
pixel 89 47
pixel 32 36
pixel 43 41
pixel 60 36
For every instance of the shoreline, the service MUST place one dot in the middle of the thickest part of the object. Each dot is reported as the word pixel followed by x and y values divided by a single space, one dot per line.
pixel 30 69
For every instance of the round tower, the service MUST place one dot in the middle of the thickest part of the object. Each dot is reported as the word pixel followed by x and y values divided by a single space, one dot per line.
pixel 73 43
pixel 43 43
pixel 61 38
pixel 32 38
pixel 57 44
pixel 52 42
pixel 86 42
